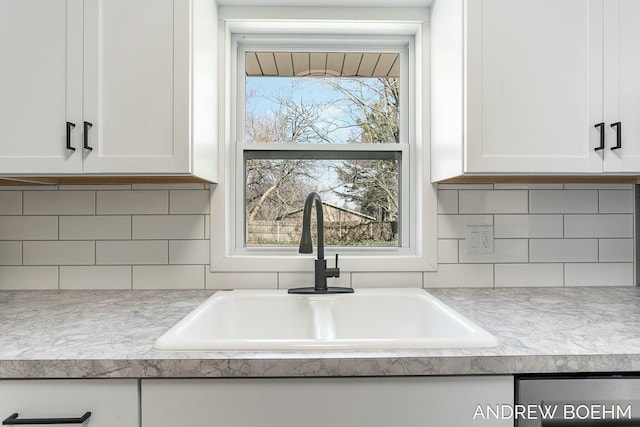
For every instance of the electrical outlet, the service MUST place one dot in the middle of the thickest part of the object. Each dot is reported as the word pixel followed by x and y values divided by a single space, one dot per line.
pixel 479 239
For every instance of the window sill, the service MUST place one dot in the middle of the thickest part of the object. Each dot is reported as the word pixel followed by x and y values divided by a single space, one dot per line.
pixel 300 263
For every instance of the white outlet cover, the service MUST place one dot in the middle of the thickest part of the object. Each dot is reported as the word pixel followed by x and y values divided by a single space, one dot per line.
pixel 479 239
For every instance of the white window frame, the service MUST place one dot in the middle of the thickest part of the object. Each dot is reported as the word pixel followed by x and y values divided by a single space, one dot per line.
pixel 368 30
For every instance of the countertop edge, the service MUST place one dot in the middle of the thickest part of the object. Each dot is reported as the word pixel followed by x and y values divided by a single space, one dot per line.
pixel 319 367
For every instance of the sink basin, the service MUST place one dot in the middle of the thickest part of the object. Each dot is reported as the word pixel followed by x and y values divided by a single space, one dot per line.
pixel 367 319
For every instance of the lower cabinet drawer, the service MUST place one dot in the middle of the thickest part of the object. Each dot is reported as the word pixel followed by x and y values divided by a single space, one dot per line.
pixel 111 402
pixel 323 402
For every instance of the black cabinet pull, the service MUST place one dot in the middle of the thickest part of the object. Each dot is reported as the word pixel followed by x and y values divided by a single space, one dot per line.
pixel 618 126
pixel 70 126
pixel 13 420
pixel 601 146
pixel 87 126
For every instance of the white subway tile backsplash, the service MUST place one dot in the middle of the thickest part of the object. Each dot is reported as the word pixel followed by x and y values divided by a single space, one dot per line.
pixel 10 253
pixel 189 252
pixel 178 186
pixel 67 252
pixel 447 251
pixel 28 227
pixel 95 227
pixel 448 201
pixel 563 250
pixel 168 227
pixel 528 186
pixel 602 274
pixel 615 250
pixel 598 186
pixel 615 201
pixel 494 201
pixel 453 226
pixel 465 186
pixel 59 202
pixel 158 236
pixel 94 187
pixel 189 201
pixel 608 225
pixel 95 277
pixel 460 276
pixel 31 278
pixel 10 202
pixel 407 279
pixel 241 281
pixel 504 250
pixel 168 276
pixel 563 201
pixel 30 187
pixel 513 275
pixel 131 252
pixel 528 226
pixel 132 202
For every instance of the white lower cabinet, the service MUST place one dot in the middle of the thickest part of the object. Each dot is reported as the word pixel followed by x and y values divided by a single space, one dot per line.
pixel 321 402
pixel 112 403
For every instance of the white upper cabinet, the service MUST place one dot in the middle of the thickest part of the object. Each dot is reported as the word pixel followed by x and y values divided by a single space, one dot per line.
pixel 129 74
pixel 132 89
pixel 40 85
pixel 534 85
pixel 622 84
pixel 519 87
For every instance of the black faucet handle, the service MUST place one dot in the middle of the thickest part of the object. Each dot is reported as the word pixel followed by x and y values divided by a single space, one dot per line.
pixel 333 272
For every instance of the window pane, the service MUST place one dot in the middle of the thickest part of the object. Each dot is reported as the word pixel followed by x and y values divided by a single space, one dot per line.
pixel 322 97
pixel 360 198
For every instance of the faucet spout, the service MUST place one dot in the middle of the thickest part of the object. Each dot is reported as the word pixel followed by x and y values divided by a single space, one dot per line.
pixel 306 247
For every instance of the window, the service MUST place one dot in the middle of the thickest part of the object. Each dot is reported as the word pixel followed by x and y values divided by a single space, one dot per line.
pixel 336 114
pixel 324 121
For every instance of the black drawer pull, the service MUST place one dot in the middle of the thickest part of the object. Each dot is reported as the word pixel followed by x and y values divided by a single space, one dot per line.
pixel 618 126
pixel 13 420
pixel 70 126
pixel 87 126
pixel 601 146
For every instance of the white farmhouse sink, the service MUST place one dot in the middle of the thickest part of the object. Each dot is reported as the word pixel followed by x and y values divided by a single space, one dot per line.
pixel 367 319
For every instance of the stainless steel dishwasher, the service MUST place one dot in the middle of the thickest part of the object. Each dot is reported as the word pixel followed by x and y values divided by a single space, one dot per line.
pixel 577 401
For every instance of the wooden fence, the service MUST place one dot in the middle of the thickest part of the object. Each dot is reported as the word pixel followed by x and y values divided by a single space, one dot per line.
pixel 285 233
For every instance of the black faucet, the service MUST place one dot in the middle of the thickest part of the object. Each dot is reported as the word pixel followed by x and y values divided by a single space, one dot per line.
pixel 306 247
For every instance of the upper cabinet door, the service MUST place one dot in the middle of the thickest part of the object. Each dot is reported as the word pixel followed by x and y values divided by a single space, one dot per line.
pixel 40 85
pixel 534 86
pixel 136 86
pixel 622 85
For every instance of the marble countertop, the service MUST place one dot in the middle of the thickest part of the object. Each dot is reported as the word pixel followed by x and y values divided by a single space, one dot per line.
pixel 109 334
